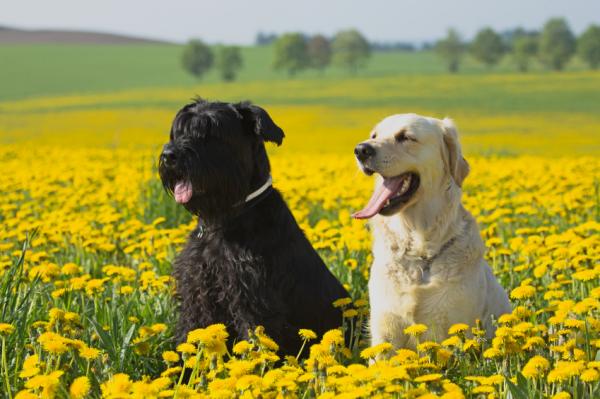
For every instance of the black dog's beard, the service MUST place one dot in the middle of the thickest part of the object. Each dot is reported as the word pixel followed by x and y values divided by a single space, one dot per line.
pixel 217 189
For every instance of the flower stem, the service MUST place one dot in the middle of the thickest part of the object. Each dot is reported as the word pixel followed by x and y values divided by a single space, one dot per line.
pixel 5 368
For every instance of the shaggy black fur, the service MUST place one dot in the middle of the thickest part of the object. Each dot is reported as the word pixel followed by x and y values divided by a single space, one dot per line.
pixel 251 265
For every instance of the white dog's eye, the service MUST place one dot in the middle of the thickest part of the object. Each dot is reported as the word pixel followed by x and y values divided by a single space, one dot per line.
pixel 373 135
pixel 401 136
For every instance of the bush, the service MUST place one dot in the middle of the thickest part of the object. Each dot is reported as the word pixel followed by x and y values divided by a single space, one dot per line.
pixel 291 53
pixel 524 48
pixel 451 50
pixel 588 46
pixel 229 62
pixel 350 50
pixel 487 47
pixel 197 58
pixel 319 52
pixel 557 44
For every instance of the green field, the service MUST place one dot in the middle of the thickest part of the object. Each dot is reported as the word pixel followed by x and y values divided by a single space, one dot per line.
pixel 31 70
pixel 50 89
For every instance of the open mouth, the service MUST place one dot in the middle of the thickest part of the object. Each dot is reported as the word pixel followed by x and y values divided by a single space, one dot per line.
pixel 183 191
pixel 366 170
pixel 389 196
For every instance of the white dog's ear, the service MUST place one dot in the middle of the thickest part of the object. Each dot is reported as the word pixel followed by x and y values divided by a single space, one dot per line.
pixel 457 164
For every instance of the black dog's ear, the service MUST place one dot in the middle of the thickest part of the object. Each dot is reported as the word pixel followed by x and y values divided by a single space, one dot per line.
pixel 258 121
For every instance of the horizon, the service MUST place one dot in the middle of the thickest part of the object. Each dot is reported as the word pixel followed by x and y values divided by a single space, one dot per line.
pixel 246 21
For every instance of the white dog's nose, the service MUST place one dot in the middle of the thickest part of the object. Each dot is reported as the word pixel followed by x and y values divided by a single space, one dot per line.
pixel 364 151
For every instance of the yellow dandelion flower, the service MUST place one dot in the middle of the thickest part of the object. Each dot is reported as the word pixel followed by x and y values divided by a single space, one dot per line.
pixel 26 394
pixel 30 367
pixel 361 303
pixel 118 386
pixel 242 347
pixel 170 357
pixel 452 341
pixel 6 329
pixel 333 338
pixel 171 371
pixel 585 275
pixel 428 346
pixel 374 351
pixel 89 353
pixel 69 269
pixel 458 328
pixel 507 318
pixel 523 292
pixel 158 328
pixel 415 330
pixel 485 389
pixel 307 334
pixel 342 302
pixel 247 381
pixel 590 375
pixel 535 367
pixel 80 387
pixel 53 343
pixel 470 344
pixel 186 348
pixel 574 323
pixel 405 355
pixel 126 290
pixel 47 383
pixel 492 353
pixel 266 342
pixel 565 370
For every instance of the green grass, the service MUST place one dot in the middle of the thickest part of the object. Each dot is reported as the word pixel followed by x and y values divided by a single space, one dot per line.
pixel 43 70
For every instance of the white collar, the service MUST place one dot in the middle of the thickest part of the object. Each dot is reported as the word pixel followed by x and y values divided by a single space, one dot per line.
pixel 261 190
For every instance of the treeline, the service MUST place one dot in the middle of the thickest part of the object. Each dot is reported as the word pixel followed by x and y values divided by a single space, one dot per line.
pixel 294 52
pixel 198 58
pixel 553 47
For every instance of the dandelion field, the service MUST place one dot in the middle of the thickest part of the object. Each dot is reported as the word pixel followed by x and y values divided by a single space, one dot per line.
pixel 87 237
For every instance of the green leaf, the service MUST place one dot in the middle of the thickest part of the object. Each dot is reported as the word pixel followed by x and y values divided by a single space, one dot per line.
pixel 515 392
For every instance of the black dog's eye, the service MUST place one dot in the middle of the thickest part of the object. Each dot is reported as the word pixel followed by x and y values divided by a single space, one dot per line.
pixel 402 136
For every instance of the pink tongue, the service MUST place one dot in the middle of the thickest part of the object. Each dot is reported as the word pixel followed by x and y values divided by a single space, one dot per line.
pixel 183 192
pixel 382 193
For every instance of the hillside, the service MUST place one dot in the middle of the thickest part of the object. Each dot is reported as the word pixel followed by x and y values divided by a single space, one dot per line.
pixel 22 36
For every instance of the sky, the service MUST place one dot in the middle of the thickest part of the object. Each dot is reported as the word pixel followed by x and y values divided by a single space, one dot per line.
pixel 238 21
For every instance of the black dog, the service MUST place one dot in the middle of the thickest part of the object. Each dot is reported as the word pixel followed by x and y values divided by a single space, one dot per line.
pixel 247 263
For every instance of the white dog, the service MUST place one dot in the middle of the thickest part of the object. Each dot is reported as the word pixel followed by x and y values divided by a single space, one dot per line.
pixel 428 255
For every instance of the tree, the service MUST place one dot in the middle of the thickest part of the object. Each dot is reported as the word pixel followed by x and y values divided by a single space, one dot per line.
pixel 291 53
pixel 557 44
pixel 487 47
pixel 524 48
pixel 264 39
pixel 319 52
pixel 197 58
pixel 588 46
pixel 451 49
pixel 229 62
pixel 350 50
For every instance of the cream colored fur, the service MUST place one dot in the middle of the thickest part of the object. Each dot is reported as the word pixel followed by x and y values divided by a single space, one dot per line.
pixel 460 286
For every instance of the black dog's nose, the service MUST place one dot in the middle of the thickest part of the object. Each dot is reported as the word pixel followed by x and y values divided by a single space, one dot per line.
pixel 168 156
pixel 364 151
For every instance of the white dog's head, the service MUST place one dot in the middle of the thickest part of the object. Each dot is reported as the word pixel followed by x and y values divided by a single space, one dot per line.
pixel 414 156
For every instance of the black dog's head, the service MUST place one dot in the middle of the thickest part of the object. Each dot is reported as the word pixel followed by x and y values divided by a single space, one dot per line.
pixel 216 156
